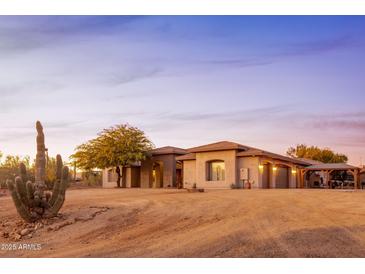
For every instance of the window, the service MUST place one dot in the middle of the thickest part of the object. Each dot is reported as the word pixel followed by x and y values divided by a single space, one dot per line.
pixel 216 171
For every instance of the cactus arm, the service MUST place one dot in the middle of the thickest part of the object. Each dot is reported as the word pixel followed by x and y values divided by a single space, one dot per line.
pixel 40 171
pixel 55 192
pixel 21 209
pixel 23 172
pixel 30 193
pixel 59 195
pixel 56 206
pixel 22 190
pixel 59 166
pixel 64 180
pixel 31 200
pixel 57 184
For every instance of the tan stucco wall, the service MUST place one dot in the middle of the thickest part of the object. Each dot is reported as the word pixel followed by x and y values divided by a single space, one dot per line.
pixel 146 173
pixel 229 158
pixel 131 175
pixel 294 178
pixel 169 171
pixel 275 175
pixel 135 177
pixel 189 173
pixel 194 171
pixel 252 164
pixel 106 183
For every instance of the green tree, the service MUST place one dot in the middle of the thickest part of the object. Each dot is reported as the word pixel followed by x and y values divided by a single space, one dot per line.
pixel 118 146
pixel 9 167
pixel 324 155
pixel 51 170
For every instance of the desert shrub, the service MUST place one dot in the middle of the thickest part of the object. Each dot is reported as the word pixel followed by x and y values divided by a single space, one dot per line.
pixel 92 178
pixel 7 173
pixel 9 168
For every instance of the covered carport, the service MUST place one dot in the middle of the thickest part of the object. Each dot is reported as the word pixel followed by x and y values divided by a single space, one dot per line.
pixel 337 175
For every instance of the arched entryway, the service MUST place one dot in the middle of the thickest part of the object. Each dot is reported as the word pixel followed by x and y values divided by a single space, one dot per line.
pixel 157 174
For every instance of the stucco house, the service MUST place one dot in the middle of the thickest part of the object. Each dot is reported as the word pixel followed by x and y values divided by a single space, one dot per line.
pixel 161 169
pixel 224 165
pixel 227 164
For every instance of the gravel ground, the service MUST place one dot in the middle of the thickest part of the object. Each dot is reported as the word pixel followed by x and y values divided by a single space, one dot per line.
pixel 174 223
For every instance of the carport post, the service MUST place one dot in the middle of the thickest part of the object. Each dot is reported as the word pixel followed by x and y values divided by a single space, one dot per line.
pixel 326 177
pixel 356 178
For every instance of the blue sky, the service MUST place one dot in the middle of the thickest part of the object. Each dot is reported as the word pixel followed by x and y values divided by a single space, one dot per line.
pixel 265 81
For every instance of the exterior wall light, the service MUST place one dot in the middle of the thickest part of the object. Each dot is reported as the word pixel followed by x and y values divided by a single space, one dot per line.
pixel 261 167
pixel 274 168
pixel 294 171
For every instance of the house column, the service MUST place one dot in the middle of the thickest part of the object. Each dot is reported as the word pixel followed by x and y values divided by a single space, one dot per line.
pixel 158 182
pixel 326 178
pixel 169 171
pixel 273 173
pixel 301 176
pixel 329 178
pixel 298 179
pixel 261 170
pixel 303 180
pixel 293 177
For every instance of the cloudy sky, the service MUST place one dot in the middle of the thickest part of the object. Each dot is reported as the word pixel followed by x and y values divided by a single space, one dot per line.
pixel 267 82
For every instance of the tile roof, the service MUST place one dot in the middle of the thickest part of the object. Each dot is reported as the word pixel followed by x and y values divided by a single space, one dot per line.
pixel 189 156
pixel 242 151
pixel 259 152
pixel 338 166
pixel 224 145
pixel 168 150
pixel 310 161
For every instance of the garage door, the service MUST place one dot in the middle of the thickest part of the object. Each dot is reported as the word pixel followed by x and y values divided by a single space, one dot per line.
pixel 282 178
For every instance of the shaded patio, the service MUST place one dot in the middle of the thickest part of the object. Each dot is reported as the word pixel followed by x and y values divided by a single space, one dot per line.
pixel 336 175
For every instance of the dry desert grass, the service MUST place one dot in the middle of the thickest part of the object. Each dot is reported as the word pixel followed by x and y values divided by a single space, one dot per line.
pixel 220 223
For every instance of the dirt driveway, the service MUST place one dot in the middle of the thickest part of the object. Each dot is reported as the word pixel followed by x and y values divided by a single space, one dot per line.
pixel 220 223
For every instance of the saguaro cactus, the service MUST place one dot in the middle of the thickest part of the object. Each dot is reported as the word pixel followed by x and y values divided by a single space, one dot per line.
pixel 32 200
